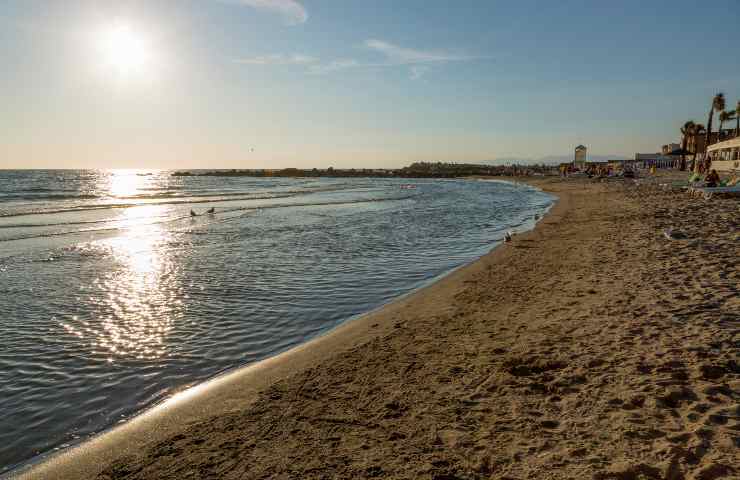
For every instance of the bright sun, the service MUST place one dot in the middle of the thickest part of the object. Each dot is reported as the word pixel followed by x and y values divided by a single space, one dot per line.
pixel 125 50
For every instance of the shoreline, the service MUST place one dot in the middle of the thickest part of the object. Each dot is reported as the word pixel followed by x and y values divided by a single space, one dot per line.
pixel 592 346
pixel 235 386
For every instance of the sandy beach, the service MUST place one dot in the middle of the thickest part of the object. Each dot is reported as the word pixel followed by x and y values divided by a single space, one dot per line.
pixel 593 346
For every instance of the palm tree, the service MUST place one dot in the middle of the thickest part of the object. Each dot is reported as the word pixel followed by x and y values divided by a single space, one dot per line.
pixel 718 104
pixel 724 116
pixel 695 133
pixel 686 131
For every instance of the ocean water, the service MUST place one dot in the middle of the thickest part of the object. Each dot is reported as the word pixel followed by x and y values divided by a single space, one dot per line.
pixel 113 298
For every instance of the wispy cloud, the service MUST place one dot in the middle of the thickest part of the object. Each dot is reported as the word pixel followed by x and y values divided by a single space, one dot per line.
pixel 397 55
pixel 278 59
pixel 293 12
pixel 335 65
pixel 418 61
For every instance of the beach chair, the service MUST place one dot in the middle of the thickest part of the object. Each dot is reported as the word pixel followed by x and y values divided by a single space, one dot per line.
pixel 709 192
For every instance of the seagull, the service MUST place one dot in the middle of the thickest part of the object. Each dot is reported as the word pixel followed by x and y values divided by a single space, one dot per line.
pixel 507 236
pixel 211 210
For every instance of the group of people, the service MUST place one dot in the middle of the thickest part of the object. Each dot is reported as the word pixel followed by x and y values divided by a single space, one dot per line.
pixel 705 165
pixel 712 180
pixel 599 171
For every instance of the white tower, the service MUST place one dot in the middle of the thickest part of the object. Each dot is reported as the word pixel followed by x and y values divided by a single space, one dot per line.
pixel 579 160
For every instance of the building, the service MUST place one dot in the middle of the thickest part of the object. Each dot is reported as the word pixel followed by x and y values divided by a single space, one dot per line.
pixel 670 148
pixel 647 157
pixel 579 160
pixel 647 160
pixel 725 156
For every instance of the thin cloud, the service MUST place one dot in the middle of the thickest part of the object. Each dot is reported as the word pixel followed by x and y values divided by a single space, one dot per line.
pixel 418 61
pixel 293 12
pixel 397 55
pixel 335 65
pixel 278 59
pixel 394 56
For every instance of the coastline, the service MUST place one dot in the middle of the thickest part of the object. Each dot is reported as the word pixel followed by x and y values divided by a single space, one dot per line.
pixel 226 391
pixel 537 359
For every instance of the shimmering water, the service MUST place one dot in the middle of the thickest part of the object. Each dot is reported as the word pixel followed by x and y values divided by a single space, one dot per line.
pixel 112 297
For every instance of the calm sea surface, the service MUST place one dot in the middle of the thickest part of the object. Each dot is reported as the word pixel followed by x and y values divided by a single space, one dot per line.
pixel 112 297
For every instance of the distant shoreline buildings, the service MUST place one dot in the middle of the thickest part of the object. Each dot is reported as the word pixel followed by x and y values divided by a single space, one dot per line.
pixel 415 170
pixel 709 150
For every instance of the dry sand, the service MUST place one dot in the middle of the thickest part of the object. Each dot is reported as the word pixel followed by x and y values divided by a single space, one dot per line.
pixel 591 347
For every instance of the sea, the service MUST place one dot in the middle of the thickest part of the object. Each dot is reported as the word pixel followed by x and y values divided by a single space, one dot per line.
pixel 118 289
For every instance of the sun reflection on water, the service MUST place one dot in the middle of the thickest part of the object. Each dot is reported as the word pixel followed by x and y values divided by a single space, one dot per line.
pixel 125 183
pixel 137 300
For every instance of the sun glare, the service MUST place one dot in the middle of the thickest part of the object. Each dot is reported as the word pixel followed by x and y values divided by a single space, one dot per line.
pixel 125 50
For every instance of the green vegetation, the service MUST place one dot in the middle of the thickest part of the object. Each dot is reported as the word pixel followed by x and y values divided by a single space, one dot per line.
pixel 686 131
pixel 718 105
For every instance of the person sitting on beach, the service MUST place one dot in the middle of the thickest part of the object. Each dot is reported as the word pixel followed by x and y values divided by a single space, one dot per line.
pixel 712 180
pixel 733 180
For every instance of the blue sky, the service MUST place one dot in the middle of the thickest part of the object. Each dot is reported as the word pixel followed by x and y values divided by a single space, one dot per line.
pixel 349 83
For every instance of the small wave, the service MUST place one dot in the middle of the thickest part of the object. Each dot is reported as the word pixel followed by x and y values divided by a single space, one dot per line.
pixel 105 206
pixel 41 194
pixel 57 196
pixel 62 224
pixel 193 198
pixel 60 234
pixel 181 217
pixel 47 189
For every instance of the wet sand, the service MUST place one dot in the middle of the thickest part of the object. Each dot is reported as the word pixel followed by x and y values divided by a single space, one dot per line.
pixel 590 347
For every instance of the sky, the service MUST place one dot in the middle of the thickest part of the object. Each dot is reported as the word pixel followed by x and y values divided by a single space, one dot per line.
pixel 351 83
